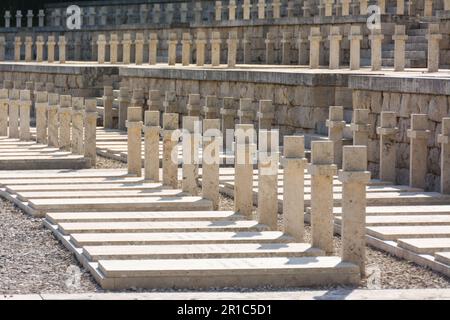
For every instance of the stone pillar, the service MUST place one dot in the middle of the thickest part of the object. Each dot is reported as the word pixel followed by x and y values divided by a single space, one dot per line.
pixel 329 8
pixel 354 177
pixel 211 108
pixel 2 48
pixel 28 48
pixel 276 4
pixel 200 44
pixel 428 8
pixel 286 46
pixel 172 49
pixel 246 113
pixel 345 7
pixel 7 19
pixel 294 163
pixel 101 45
pixel 193 105
pixel 215 48
pixel 388 154
pixel 444 139
pixel 153 48
pixel 228 113
pixel 335 39
pixel 218 11
pixel 18 19
pixel 51 49
pixel 4 103
pixel 355 38
pixel 170 102
pixel 126 48
pixel 243 164
pixel 124 102
pixel 108 99
pixel 211 160
pixel 139 48
pixel 247 48
pixel 183 12
pixel 25 109
pixel 336 125
pixel 270 48
pixel 322 171
pixel 90 131
pixel 198 12
pixel 433 38
pixel 53 122
pixel 232 43
pixel 400 7
pixel 360 127
pixel 266 114
pixel 17 48
pixel 151 145
pixel 156 13
pixel 154 101
pixel 418 151
pixel 41 116
pixel 64 113
pixel 363 6
pixel 113 48
pixel 137 98
pixel 376 40
pixel 39 49
pixel 400 38
pixel 191 127
pixel 232 10
pixel 30 18
pixel 62 49
pixel 186 49
pixel 261 9
pixel 170 150
pixel 246 10
pixel 77 125
pixel 134 146
pixel 314 47
pixel 14 96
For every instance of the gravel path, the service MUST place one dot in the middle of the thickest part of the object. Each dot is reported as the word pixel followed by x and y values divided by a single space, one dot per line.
pixel 33 261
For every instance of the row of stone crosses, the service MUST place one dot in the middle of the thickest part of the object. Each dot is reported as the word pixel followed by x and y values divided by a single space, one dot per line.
pixel 93 16
pixel 315 38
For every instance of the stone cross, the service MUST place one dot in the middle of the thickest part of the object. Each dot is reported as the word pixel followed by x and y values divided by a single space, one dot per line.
pixel 243 164
pixel 170 154
pixel 294 163
pixel 24 111
pixel 306 8
pixel 336 125
pixel 183 12
pixel 126 48
pixel 290 9
pixel 193 105
pixel 218 11
pixel 30 18
pixel 113 48
pixel 14 105
pixel 376 40
pixel 134 146
pixel 77 125
pixel 18 19
pixel 57 17
pixel 270 48
pixel 335 39
pixel 232 10
pixel 40 48
pixel 7 19
pixel 124 102
pixel 103 16
pixel 2 48
pixel 101 45
pixel 355 38
pixel 444 140
pixel 156 13
pixel 139 48
pixel 246 9
pixel 428 8
pixel 154 101
pixel 400 7
pixel 360 127
pixel 28 48
pixel 64 113
pixel 170 102
pixel 321 8
pixel 215 48
pixel 247 48
pixel 198 12
pixel 322 171
pixel 151 145
pixel 400 38
pixel 261 9
pixel 51 49
pixel 246 113
pixel 62 49
pixel 363 6
pixel 153 48
pixel 286 48
pixel 433 37
pixel 418 152
pixel 191 127
pixel 232 43
pixel 52 114
pixel 345 7
pixel 266 114
pixel 91 16
pixel 41 116
pixel 4 103
pixel 200 44
pixel 210 161
pixel 382 6
pixel 90 131
pixel 108 99
pixel 211 108
pixel 388 154
pixel 130 15
pixel 329 8
pixel 314 38
pixel 276 4
pixel 172 49
pixel 303 47
pixel 186 49
pixel 17 48
pixel 354 177
pixel 228 113
pixel 268 178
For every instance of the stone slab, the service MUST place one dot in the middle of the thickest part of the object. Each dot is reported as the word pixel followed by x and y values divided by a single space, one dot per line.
pixel 400 232
pixel 425 245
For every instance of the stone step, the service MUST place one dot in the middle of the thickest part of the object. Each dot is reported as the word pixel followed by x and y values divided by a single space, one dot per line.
pixel 403 210
pixel 206 273
pixel 197 251
pixel 97 239
pixel 73 181
pixel 443 257
pixel 59 217
pixel 425 245
pixel 67 228
pixel 414 220
pixel 400 232
pixel 82 187
pixel 63 174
